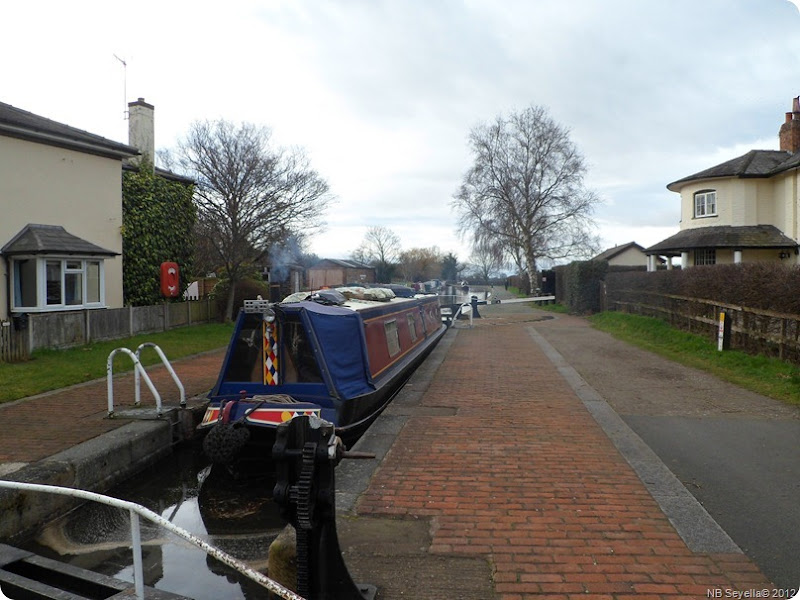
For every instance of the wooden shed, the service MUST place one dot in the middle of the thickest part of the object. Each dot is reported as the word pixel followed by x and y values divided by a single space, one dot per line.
pixel 331 272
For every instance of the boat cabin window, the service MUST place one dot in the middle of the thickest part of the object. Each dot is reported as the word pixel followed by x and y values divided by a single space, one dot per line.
pixel 392 338
pixel 300 364
pixel 412 327
pixel 248 347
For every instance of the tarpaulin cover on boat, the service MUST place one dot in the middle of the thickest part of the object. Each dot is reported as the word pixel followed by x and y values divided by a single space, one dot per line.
pixel 340 334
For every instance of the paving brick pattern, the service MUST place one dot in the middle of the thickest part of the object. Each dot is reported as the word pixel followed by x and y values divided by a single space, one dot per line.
pixel 523 475
pixel 44 425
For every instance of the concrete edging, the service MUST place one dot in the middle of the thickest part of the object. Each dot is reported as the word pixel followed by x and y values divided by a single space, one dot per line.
pixel 95 465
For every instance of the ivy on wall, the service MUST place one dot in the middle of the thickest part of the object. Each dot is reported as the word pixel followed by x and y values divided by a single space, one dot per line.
pixel 158 218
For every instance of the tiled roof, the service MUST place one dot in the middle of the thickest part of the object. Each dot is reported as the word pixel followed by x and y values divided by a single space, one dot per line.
pixel 51 239
pixel 612 252
pixel 724 236
pixel 346 264
pixel 756 163
pixel 18 123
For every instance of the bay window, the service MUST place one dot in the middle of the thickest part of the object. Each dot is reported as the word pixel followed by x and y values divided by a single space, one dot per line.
pixel 54 283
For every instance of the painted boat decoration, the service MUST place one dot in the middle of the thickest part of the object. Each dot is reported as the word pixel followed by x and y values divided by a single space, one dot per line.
pixel 339 354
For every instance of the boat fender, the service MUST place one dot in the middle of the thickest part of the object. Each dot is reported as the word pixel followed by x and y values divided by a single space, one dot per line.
pixel 224 442
pixel 228 438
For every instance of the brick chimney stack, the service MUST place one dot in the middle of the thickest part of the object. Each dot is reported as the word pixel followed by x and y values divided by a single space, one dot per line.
pixel 789 133
pixel 141 130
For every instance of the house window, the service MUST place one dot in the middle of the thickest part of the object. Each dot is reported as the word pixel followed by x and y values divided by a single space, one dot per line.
pixel 42 284
pixel 706 256
pixel 705 204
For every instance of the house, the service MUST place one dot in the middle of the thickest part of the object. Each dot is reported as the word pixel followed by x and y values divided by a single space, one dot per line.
pixel 330 272
pixel 60 216
pixel 625 255
pixel 743 210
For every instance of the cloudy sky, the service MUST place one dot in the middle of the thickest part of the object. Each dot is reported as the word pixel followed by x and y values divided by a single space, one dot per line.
pixel 382 94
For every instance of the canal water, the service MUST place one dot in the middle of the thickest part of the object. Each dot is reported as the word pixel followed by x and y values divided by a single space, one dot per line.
pixel 239 519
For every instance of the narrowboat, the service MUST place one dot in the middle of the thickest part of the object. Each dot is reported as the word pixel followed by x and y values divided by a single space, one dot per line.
pixel 340 354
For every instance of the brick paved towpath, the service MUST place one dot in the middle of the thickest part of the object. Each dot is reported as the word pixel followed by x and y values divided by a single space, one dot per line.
pixel 508 464
pixel 43 425
pixel 500 462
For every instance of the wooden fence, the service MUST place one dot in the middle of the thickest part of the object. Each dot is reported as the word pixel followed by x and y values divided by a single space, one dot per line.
pixel 754 331
pixel 74 328
pixel 13 344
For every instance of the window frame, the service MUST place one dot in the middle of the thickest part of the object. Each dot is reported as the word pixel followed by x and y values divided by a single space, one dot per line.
pixel 392 334
pixel 706 256
pixel 412 327
pixel 704 196
pixel 83 275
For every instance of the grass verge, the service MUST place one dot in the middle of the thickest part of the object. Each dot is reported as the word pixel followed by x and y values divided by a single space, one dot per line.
pixel 53 369
pixel 767 376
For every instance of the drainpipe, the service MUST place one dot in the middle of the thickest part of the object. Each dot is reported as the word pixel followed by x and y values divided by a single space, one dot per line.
pixel 8 286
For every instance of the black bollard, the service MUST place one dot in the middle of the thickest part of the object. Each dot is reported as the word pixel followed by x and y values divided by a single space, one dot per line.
pixel 305 453
pixel 474 302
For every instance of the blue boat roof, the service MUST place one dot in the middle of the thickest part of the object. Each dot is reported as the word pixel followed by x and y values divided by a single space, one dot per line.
pixel 339 334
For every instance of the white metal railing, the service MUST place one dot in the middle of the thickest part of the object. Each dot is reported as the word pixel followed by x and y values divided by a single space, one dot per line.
pixel 464 308
pixel 165 362
pixel 136 510
pixel 139 369
pixel 140 373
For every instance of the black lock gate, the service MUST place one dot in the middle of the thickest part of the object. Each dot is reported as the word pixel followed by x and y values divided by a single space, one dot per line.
pixel 305 453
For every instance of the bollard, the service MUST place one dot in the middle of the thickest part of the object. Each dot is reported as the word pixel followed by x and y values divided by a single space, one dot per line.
pixel 474 302
pixel 305 453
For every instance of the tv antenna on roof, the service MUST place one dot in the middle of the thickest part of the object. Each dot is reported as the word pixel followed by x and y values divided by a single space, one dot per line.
pixel 124 87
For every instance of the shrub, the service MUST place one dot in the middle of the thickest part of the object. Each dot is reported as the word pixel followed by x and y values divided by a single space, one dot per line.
pixel 246 289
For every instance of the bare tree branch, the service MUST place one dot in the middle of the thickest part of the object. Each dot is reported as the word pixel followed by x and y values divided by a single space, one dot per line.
pixel 249 194
pixel 524 191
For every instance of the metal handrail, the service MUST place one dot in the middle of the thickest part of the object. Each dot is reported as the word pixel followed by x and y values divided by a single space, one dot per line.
pixel 165 362
pixel 137 365
pixel 460 310
pixel 137 510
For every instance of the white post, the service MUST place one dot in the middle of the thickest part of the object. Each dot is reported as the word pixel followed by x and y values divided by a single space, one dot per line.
pixel 684 260
pixel 737 257
pixel 136 546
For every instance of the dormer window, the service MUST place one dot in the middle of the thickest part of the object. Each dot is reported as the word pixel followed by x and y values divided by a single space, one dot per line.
pixel 705 204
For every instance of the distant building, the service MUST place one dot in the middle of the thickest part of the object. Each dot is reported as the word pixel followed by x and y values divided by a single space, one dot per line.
pixel 626 255
pixel 330 272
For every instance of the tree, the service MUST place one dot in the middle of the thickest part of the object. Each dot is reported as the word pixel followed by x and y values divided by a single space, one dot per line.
pixel 450 267
pixel 487 258
pixel 380 248
pixel 420 264
pixel 525 190
pixel 250 195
